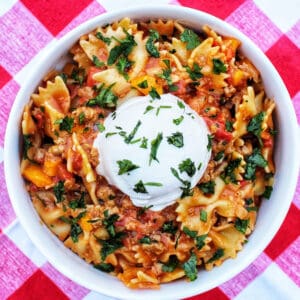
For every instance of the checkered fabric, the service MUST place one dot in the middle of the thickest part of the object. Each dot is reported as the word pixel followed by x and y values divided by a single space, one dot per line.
pixel 28 26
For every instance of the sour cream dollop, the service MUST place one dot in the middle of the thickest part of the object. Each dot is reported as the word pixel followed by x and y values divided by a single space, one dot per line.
pixel 153 149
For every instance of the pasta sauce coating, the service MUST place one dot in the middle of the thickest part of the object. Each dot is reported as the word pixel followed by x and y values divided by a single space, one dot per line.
pixel 212 221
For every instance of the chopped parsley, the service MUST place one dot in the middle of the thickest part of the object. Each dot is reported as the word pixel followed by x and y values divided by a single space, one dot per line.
pixel 199 166
pixel 140 188
pixel 101 37
pixel 150 47
pixel 169 227
pixel 253 161
pixel 105 97
pixel 97 62
pixel 191 39
pixel 148 108
pixel 207 188
pixel 166 75
pixel 104 267
pixel 241 225
pixel 145 240
pixel 143 209
pixel 124 48
pixel 131 135
pixel 218 254
pixel 154 147
pixel 153 184
pixel 200 241
pixel 229 126
pixel 209 143
pixel 180 104
pixel 203 215
pixel 66 124
pixel 109 221
pixel 190 233
pixel 111 245
pixel 78 76
pixel 64 77
pixel 59 190
pixel 81 118
pixel 27 144
pixel 100 127
pixel 229 175
pixel 188 167
pixel 162 107
pixel 75 228
pixel 154 94
pixel 178 120
pixel 255 125
pixel 190 267
pixel 219 156
pixel 144 143
pixel 186 189
pixel 143 84
pixel 125 166
pixel 176 139
pixel 195 72
pixel 123 65
pixel 268 191
pixel 171 264
pixel 218 66
pixel 78 203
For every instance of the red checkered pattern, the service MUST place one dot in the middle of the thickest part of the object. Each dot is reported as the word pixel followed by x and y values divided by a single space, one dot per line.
pixel 28 26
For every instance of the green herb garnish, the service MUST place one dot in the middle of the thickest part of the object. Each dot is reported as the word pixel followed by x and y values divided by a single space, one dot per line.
pixel 253 161
pixel 59 190
pixel 81 118
pixel 66 124
pixel 268 191
pixel 154 147
pixel 171 265
pixel 209 143
pixel 219 156
pixel 190 38
pixel 104 267
pixel 100 127
pixel 190 267
pixel 178 120
pixel 144 143
pixel 218 66
pixel 195 72
pixel 207 188
pixel 124 48
pixel 140 188
pixel 169 227
pixel 241 225
pixel 255 125
pixel 229 174
pixel 123 65
pixel 97 62
pixel 180 104
pixel 78 203
pixel 229 126
pixel 27 144
pixel 75 228
pixel 105 98
pixel 188 167
pixel 154 94
pixel 150 47
pixel 109 222
pixel 218 254
pixel 190 233
pixel 162 107
pixel 131 135
pixel 148 108
pixel 143 84
pixel 203 215
pixel 200 241
pixel 125 166
pixel 145 240
pixel 111 245
pixel 101 37
pixel 176 139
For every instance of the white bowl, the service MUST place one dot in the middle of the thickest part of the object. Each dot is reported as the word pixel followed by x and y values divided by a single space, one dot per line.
pixel 271 213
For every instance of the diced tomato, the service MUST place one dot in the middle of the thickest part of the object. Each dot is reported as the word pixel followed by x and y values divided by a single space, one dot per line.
pixel 243 183
pixel 267 139
pixel 152 63
pixel 40 119
pixel 63 173
pixel 217 127
pixel 90 81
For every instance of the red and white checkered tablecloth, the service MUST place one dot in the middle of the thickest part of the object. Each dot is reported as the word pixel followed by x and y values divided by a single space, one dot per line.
pixel 28 26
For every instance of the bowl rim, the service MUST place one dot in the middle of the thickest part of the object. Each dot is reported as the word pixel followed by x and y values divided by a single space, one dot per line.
pixel 136 12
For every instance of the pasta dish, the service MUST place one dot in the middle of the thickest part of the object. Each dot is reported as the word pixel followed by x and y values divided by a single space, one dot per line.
pixel 149 152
